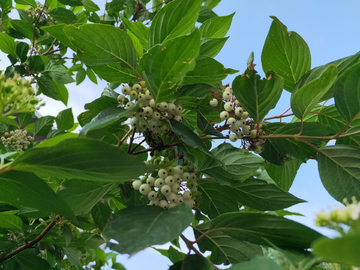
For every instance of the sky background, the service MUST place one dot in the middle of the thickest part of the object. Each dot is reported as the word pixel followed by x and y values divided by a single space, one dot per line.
pixel 331 30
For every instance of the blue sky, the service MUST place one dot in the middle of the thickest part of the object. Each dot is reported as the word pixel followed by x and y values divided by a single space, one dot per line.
pixel 330 28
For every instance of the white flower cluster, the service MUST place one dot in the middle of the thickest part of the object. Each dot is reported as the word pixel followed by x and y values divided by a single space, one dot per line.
pixel 238 120
pixel 16 140
pixel 169 187
pixel 150 114
pixel 348 215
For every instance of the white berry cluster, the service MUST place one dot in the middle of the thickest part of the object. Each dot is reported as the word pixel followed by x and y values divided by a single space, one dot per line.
pixel 169 187
pixel 237 119
pixel 150 114
pixel 40 13
pixel 16 140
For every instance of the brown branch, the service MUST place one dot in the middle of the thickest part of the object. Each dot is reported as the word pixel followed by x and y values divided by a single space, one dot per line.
pixel 31 243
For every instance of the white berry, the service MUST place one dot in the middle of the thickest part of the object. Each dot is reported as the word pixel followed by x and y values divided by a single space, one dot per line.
pixel 144 189
pixel 228 106
pixel 214 102
pixel 136 184
pixel 224 115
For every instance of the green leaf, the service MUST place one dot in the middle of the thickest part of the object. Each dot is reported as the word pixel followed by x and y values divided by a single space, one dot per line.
pixel 216 27
pixel 57 31
pixel 47 87
pixel 25 118
pixel 104 119
pixel 257 263
pixel 211 3
pixel 7 44
pixel 207 71
pixel 95 48
pixel 43 125
pixel 137 44
pixel 90 6
pixel 23 27
pixel 91 75
pixel 82 195
pixel 258 96
pixel 260 195
pixel 265 229
pixel 330 116
pixel 215 199
pixel 82 158
pixel 72 3
pixel 284 175
pixel 304 99
pixel 36 63
pixel 136 228
pixel 187 135
pixel 347 93
pixel 339 169
pixel 205 127
pixel 298 149
pixel 65 119
pixel 101 214
pixel 22 50
pixel 67 234
pixel 341 249
pixel 8 121
pixel 174 255
pixel 9 221
pixel 286 53
pixel 73 255
pixel 206 13
pixel 224 249
pixel 231 164
pixel 139 30
pixel 165 65
pixel 210 47
pixel 341 64
pixel 192 262
pixel 56 140
pixel 115 6
pixel 80 76
pixel 28 260
pixel 26 189
pixel 351 140
pixel 63 15
pixel 62 92
pixel 26 2
pixel 58 72
pixel 115 73
pixel 175 19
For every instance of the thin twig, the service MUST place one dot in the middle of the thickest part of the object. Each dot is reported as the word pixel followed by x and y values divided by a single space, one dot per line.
pixel 131 141
pixel 31 243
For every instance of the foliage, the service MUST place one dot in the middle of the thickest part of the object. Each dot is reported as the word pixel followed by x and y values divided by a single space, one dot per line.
pixel 140 165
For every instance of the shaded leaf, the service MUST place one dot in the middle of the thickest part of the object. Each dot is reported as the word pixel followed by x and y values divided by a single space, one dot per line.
pixel 9 221
pixel 284 175
pixel 339 169
pixel 26 189
pixel 257 96
pixel 22 50
pixel 7 44
pixel 351 140
pixel 101 214
pixel 286 53
pixel 264 228
pixel 257 263
pixel 225 249
pixel 347 93
pixel 82 195
pixel 63 15
pixel 82 158
pixel 205 127
pixel 206 13
pixel 136 228
pixel 73 255
pixel 65 119
pixel 192 262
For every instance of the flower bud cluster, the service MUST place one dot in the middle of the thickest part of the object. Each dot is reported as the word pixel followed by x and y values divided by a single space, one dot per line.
pixel 238 121
pixel 40 13
pixel 151 115
pixel 16 96
pixel 16 140
pixel 169 186
pixel 348 215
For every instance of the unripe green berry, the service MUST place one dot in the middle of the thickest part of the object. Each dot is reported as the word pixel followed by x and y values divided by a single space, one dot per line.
pixel 137 87
pixel 187 195
pixel 175 188
pixel 228 106
pixel 165 189
pixel 126 90
pixel 143 84
pixel 136 184
pixel 224 115
pixel 163 173
pixel 120 98
pixel 152 195
pixel 193 176
pixel 159 182
pixel 214 102
pixel 144 189
pixel 186 176
pixel 169 180
pixel 172 197
pixel 245 115
pixel 133 95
